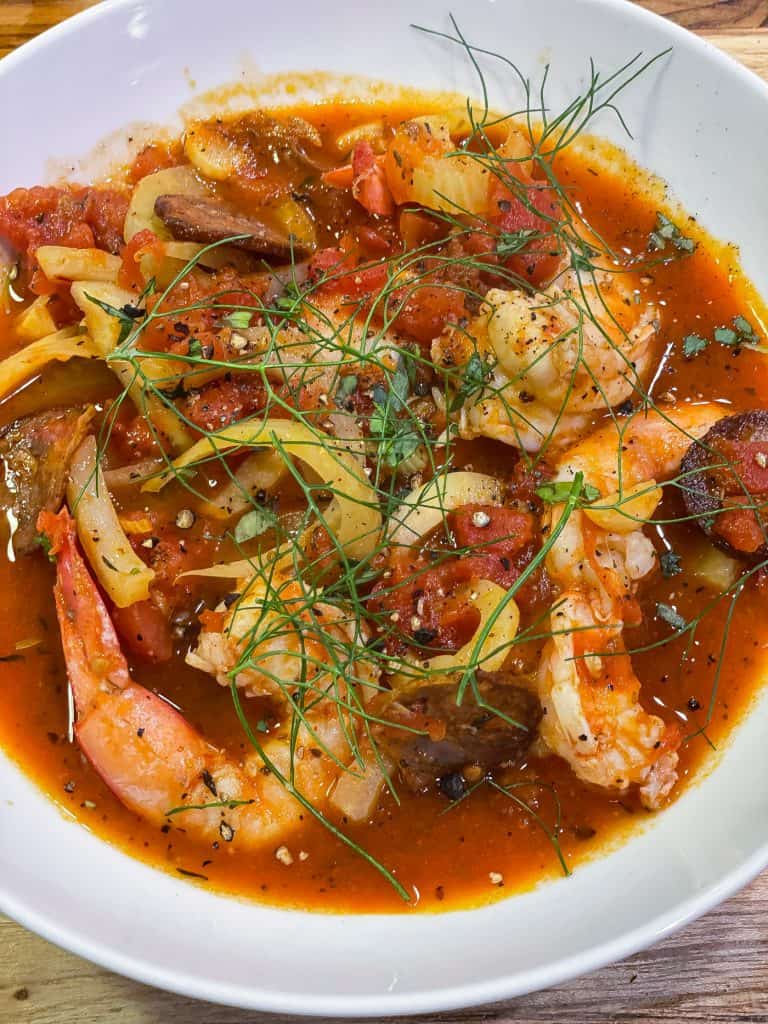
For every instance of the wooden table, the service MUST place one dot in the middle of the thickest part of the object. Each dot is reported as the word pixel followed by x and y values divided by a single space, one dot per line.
pixel 716 970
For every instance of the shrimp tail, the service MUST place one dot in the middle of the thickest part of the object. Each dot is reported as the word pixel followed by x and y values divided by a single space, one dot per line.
pixel 120 725
pixel 91 648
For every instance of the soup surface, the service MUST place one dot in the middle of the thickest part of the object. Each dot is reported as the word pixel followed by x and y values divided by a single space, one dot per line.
pixel 453 418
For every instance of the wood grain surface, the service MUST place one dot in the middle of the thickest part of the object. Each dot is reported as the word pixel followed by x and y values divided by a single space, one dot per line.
pixel 713 972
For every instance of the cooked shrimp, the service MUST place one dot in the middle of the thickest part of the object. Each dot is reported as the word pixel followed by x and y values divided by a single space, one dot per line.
pixel 554 359
pixel 592 714
pixel 297 637
pixel 587 686
pixel 308 364
pixel 148 753
pixel 620 457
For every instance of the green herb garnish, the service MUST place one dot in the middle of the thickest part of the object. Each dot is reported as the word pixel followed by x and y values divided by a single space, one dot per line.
pixel 555 493
pixel 670 615
pixel 254 524
pixel 239 320
pixel 670 564
pixel 668 232
pixel 693 344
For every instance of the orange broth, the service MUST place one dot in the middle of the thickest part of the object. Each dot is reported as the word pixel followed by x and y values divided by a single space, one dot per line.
pixel 485 846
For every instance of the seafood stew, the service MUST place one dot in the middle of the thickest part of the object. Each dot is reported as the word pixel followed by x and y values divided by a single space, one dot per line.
pixel 383 491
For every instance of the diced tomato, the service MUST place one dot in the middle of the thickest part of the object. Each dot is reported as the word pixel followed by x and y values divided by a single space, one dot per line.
pixel 130 272
pixel 54 216
pixel 176 550
pixel 155 157
pixel 145 631
pixel 425 598
pixel 212 621
pixel 339 177
pixel 225 401
pixel 104 211
pixel 203 321
pixel 504 527
pixel 338 274
pixel 374 241
pixel 62 306
pixel 369 186
pixel 742 481
pixel 132 437
pixel 427 310
pixel 533 210
pixel 324 262
pixel 365 176
pixel 740 527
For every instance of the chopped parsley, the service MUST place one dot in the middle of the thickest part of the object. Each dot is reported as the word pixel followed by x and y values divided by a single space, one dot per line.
pixel 554 493
pixel 744 327
pixel 670 564
pixel 254 524
pixel 44 541
pixel 726 336
pixel 400 386
pixel 347 387
pixel 477 373
pixel 397 439
pixel 667 232
pixel 670 615
pixel 239 320
pixel 741 333
pixel 693 344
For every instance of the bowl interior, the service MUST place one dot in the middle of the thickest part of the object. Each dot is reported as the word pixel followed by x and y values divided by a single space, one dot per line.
pixel 134 61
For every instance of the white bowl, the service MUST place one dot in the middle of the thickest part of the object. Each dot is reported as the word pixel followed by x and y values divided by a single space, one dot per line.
pixel 693 119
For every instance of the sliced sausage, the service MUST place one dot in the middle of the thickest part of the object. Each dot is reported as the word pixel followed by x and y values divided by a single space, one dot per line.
pixel 725 484
pixel 36 452
pixel 495 730
pixel 191 219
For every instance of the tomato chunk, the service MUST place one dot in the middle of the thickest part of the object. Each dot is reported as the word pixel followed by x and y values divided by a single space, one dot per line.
pixel 741 529
pixel 337 274
pixel 531 208
pixel 421 602
pixel 225 401
pixel 427 310
pixel 80 218
pixel 145 631
pixel 726 475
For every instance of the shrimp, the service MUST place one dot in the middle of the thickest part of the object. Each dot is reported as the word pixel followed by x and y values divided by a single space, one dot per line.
pixel 308 364
pixel 149 754
pixel 620 457
pixel 587 686
pixel 592 714
pixel 553 360
pixel 297 636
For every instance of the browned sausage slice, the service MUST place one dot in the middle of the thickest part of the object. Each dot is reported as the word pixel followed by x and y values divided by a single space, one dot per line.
pixel 35 453
pixel 725 483
pixel 432 737
pixel 191 219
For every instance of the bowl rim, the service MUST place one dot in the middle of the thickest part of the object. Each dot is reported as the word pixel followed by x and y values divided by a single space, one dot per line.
pixel 428 1000
pixel 391 1004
